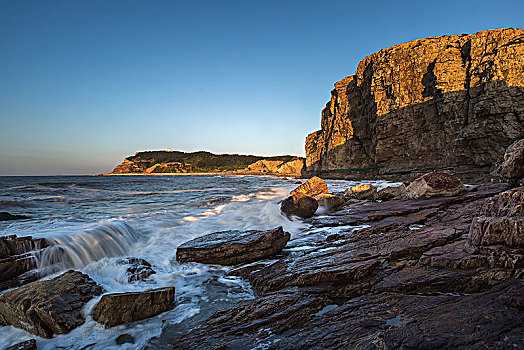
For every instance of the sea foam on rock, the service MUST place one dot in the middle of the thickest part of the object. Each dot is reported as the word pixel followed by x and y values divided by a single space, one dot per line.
pixel 233 247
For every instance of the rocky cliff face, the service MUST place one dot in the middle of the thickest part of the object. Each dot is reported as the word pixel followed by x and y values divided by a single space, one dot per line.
pixel 450 103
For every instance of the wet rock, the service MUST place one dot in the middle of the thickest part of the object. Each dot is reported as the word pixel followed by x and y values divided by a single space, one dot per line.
pixel 361 192
pixel 391 192
pixel 25 345
pixel 46 308
pixel 328 200
pixel 5 216
pixel 312 187
pixel 233 247
pixel 17 260
pixel 124 339
pixel 386 321
pixel 300 205
pixel 513 165
pixel 122 308
pixel 434 185
pixel 138 269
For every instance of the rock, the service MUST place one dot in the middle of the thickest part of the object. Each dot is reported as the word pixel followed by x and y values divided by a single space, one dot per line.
pixel 312 187
pixel 434 185
pixel 138 270
pixel 361 192
pixel 513 165
pixel 439 103
pixel 46 308
pixel 25 345
pixel 17 260
pixel 233 247
pixel 277 167
pixel 5 216
pixel 299 205
pixel 124 339
pixel 391 192
pixel 328 200
pixel 122 308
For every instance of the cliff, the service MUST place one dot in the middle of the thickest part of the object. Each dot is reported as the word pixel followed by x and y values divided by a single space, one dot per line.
pixel 451 103
pixel 167 162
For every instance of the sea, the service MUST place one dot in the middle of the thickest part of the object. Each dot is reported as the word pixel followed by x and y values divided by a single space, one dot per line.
pixel 92 221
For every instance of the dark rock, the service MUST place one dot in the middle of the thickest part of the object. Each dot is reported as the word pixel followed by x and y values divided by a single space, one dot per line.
pixel 5 216
pixel 138 270
pixel 46 308
pixel 125 338
pixel 513 165
pixel 122 308
pixel 434 185
pixel 385 321
pixel 17 259
pixel 312 187
pixel 233 247
pixel 299 205
pixel 25 345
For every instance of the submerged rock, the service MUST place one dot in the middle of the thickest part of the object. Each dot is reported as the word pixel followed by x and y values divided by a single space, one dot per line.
pixel 122 308
pixel 300 205
pixel 513 165
pixel 434 185
pixel 46 308
pixel 138 269
pixel 312 187
pixel 361 192
pixel 25 345
pixel 233 247
pixel 5 216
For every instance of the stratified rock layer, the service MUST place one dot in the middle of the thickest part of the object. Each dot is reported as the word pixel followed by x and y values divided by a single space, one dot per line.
pixel 449 103
pixel 414 274
pixel 46 308
pixel 233 247
pixel 122 308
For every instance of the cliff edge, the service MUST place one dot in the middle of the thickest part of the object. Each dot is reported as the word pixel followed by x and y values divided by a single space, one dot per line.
pixel 451 103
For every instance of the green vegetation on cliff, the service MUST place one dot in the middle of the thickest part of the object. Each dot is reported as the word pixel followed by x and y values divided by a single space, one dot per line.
pixel 181 162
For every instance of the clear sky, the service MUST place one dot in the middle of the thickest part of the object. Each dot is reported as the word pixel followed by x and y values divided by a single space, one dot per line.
pixel 84 84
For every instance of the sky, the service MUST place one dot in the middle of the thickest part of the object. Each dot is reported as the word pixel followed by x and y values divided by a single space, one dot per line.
pixel 84 84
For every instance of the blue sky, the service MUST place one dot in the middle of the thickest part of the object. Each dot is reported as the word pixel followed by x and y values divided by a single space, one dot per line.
pixel 84 84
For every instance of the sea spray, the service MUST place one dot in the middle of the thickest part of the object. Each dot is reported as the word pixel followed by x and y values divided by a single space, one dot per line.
pixel 78 250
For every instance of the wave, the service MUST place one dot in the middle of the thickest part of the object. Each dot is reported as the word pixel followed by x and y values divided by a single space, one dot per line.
pixel 75 251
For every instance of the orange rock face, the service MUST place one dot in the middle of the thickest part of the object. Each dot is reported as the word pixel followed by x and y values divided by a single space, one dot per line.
pixel 449 103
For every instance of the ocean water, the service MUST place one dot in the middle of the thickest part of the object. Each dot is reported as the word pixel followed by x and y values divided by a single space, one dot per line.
pixel 90 222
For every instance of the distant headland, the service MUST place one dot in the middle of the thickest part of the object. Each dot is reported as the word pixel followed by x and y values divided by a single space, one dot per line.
pixel 168 162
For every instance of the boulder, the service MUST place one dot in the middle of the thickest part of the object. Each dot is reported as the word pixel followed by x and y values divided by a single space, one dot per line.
pixel 328 200
pixel 122 308
pixel 16 260
pixel 138 269
pixel 46 308
pixel 233 247
pixel 25 345
pixel 300 205
pixel 312 187
pixel 434 185
pixel 361 192
pixel 391 192
pixel 513 165
pixel 5 216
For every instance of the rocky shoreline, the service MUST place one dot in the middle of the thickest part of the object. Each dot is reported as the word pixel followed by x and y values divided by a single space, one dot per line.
pixel 431 264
